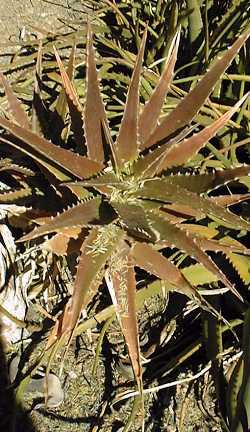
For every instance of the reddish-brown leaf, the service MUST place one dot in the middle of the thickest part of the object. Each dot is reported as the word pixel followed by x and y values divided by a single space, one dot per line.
pixel 180 153
pixel 75 107
pixel 95 251
pixel 174 154
pixel 61 104
pixel 155 263
pixel 150 114
pixel 127 140
pixel 72 163
pixel 77 216
pixel 16 109
pixel 95 115
pixel 122 285
pixel 185 241
pixel 190 105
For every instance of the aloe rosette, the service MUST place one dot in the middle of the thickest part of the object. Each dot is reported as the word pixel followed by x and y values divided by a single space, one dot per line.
pixel 134 198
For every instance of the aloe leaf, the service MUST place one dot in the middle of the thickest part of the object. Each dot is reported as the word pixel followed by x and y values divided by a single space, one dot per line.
pixel 15 107
pixel 10 196
pixel 74 164
pixel 134 219
pixel 127 140
pixel 95 115
pixel 233 390
pixel 190 105
pixel 106 179
pixel 95 251
pixel 180 238
pixel 7 165
pixel 242 266
pixel 145 165
pixel 61 103
pixel 200 183
pixel 180 153
pixel 194 19
pixel 150 114
pixel 228 200
pixel 78 216
pixel 66 242
pixel 166 191
pixel 205 238
pixel 241 421
pixel 122 286
pixel 75 107
pixel 174 154
pixel 216 246
pixel 155 263
pixel 197 274
pixel 35 121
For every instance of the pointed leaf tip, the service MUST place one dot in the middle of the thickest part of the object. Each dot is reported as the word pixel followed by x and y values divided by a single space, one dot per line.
pixel 187 109
pixel 180 153
pixel 127 142
pixel 95 116
pixel 16 109
pixel 150 114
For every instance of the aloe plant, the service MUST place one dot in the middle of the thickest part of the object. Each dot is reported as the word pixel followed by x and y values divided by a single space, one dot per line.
pixel 128 196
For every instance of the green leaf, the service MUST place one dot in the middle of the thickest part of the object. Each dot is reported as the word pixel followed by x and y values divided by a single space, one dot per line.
pixel 134 219
pixel 197 274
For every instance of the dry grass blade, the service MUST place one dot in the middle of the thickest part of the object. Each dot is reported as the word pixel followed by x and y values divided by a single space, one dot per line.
pixel 127 140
